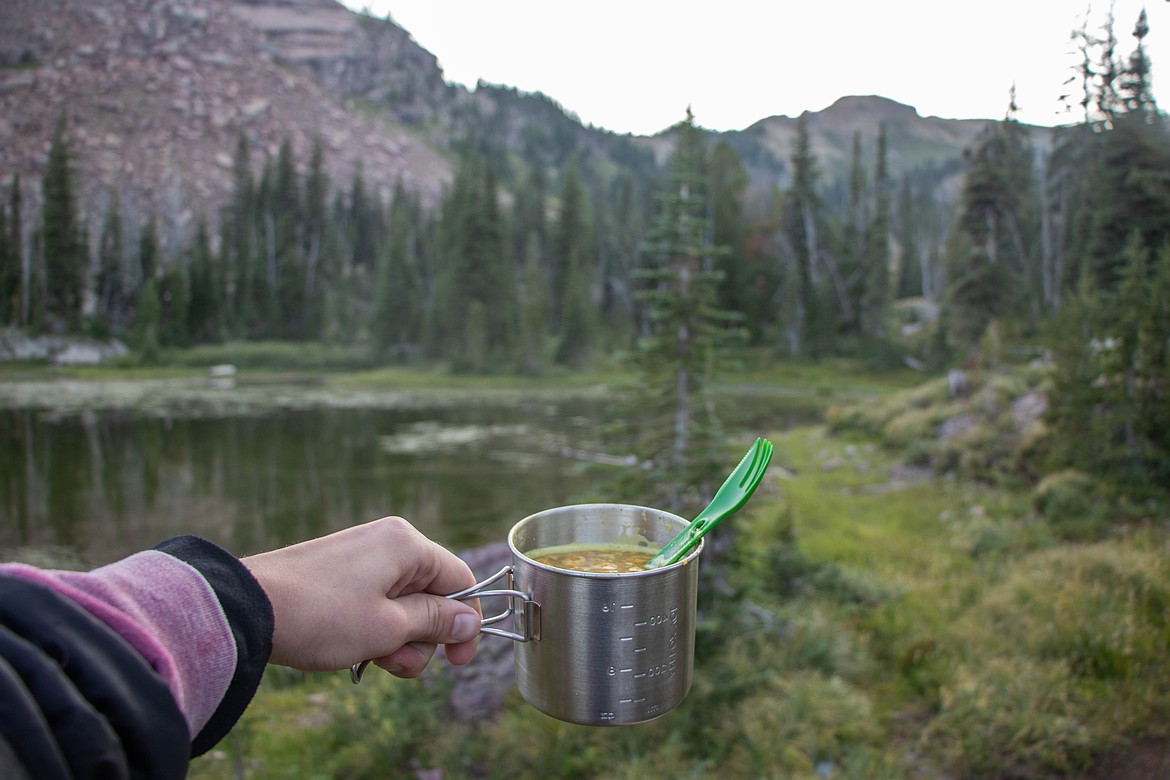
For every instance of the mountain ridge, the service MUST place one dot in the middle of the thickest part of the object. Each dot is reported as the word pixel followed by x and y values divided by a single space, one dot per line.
pixel 157 94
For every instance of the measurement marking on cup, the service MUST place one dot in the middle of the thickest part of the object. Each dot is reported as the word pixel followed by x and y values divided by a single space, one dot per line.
pixel 627 606
pixel 626 638
pixel 639 649
pixel 626 671
pixel 625 701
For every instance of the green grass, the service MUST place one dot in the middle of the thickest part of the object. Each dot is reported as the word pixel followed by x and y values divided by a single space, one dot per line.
pixel 873 620
pixel 879 628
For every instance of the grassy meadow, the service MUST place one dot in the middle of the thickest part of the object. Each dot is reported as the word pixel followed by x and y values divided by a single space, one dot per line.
pixel 896 603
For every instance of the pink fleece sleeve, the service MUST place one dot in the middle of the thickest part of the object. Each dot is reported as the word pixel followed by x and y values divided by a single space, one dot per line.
pixel 168 612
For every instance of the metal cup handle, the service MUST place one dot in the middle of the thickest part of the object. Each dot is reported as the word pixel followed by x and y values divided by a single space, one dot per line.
pixel 519 603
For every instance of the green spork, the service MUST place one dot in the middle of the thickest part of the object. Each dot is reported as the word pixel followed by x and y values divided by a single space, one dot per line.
pixel 734 493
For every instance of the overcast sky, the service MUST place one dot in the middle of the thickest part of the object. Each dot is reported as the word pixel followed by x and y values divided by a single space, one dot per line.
pixel 635 65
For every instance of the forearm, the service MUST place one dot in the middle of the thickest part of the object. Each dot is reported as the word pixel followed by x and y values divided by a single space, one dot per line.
pixel 186 620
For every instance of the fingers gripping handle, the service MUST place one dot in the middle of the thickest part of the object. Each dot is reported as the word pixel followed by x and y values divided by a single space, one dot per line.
pixel 519 604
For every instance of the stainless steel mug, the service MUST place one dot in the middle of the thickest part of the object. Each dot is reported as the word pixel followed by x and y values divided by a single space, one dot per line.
pixel 596 649
pixel 609 649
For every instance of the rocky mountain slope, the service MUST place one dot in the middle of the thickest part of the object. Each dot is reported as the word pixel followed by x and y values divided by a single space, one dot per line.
pixel 157 94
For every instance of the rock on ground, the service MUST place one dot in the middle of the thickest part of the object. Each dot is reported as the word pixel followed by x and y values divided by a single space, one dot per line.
pixel 481 686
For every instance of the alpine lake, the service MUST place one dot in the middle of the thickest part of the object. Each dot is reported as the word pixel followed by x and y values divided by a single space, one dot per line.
pixel 92 470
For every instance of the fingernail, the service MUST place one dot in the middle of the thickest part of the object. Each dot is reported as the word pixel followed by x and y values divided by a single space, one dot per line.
pixel 465 628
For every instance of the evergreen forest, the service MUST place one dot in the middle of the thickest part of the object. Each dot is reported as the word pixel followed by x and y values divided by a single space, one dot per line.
pixel 528 268
pixel 959 570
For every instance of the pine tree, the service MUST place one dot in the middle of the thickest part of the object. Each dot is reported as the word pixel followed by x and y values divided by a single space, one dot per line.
pixel 475 344
pixel 739 288
pixel 1136 92
pixel 875 299
pixel 147 311
pixel 1125 192
pixel 1108 408
pixel 530 216
pixel 571 241
pixel 148 252
pixel 534 309
pixel 497 281
pixel 266 298
pixel 853 264
pixel 173 296
pixel 576 341
pixel 1061 193
pixel 15 235
pixel 475 268
pixel 288 311
pixel 111 286
pixel 148 304
pixel 239 242
pixel 998 220
pixel 678 431
pixel 320 263
pixel 397 313
pixel 205 307
pixel 9 272
pixel 809 320
pixel 363 227
pixel 624 231
pixel 910 282
pixel 61 238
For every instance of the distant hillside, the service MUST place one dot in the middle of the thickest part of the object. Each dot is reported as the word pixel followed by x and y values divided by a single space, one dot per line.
pixel 157 94
pixel 914 143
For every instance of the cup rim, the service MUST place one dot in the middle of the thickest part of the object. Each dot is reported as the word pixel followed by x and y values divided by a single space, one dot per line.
pixel 690 557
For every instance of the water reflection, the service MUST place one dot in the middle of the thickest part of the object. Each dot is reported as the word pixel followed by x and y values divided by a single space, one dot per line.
pixel 106 483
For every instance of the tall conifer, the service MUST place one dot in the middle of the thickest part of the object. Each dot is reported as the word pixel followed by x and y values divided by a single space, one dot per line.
pixel 320 262
pixel 111 286
pixel 62 248
pixel 205 306
pixel 876 297
pixel 397 308
pixel 9 272
pixel 15 235
pixel 810 325
pixel 678 431
pixel 570 243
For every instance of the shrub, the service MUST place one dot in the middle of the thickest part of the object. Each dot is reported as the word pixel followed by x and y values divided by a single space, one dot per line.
pixel 384 728
pixel 910 426
pixel 798 723
pixel 286 355
pixel 1013 713
pixel 1064 654
pixel 1070 501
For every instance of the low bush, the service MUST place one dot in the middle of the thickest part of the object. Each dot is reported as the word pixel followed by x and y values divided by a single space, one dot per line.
pixel 1009 717
pixel 274 355
pixel 1070 501
pixel 1056 661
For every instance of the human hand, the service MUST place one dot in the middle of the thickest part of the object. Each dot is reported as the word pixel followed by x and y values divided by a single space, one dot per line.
pixel 370 591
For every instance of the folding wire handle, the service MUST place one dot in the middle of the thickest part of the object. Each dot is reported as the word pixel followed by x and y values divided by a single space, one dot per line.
pixel 528 612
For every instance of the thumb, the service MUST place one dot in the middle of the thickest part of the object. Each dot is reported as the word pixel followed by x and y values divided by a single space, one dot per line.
pixel 423 617
pixel 420 621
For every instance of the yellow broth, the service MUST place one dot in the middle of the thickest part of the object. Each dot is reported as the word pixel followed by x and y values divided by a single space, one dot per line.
pixel 595 558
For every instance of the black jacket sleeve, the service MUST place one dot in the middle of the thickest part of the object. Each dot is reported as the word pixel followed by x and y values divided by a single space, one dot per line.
pixel 77 700
pixel 249 614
